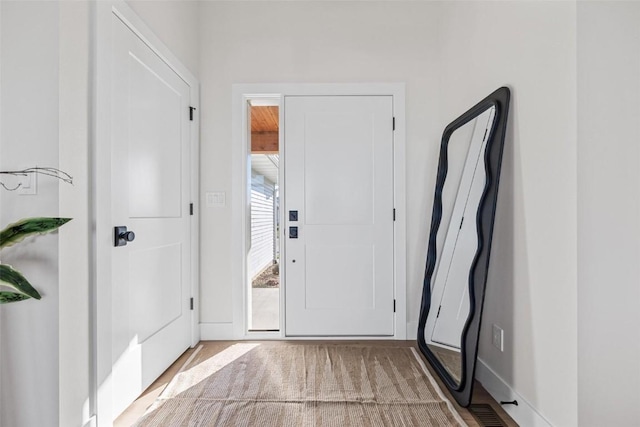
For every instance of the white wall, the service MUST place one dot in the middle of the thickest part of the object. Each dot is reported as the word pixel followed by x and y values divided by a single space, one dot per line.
pixel 532 284
pixel 45 113
pixel 175 22
pixel 29 137
pixel 74 255
pixel 608 213
pixel 450 54
pixel 313 42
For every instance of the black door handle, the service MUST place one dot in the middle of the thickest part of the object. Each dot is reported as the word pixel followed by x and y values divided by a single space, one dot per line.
pixel 121 236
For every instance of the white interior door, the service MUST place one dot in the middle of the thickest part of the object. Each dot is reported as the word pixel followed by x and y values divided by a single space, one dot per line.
pixel 339 182
pixel 451 285
pixel 150 196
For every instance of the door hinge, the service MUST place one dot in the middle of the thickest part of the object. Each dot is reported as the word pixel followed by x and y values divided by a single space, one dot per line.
pixel 191 303
pixel 191 110
pixel 190 208
pixel 438 315
pixel 394 123
pixel 394 306
pixel 394 214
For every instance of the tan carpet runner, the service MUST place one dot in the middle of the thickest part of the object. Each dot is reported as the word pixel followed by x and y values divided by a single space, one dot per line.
pixel 297 385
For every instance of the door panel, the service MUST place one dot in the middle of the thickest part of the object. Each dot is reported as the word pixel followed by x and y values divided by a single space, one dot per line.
pixel 154 144
pixel 339 177
pixel 150 186
pixel 156 275
pixel 353 261
pixel 345 195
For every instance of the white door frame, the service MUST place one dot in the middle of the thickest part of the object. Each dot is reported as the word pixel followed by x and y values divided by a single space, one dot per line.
pixel 102 239
pixel 241 94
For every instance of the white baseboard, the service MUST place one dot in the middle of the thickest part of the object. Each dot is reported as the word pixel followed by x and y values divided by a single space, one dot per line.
pixel 216 331
pixel 525 414
pixel 412 330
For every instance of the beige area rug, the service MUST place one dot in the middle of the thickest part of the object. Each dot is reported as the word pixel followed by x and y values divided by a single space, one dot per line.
pixel 297 385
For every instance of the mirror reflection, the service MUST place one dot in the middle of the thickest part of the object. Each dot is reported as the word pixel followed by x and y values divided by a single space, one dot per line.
pixel 457 240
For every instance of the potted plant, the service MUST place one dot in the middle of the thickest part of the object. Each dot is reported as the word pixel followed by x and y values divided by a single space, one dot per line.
pixel 13 285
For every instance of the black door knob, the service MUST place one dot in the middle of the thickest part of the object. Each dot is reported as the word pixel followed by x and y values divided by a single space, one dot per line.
pixel 129 236
pixel 122 236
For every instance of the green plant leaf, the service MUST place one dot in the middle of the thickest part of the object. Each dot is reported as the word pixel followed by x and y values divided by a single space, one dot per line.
pixel 7 297
pixel 14 233
pixel 13 279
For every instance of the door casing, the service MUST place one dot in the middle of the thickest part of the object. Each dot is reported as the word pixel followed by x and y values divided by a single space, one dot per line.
pixel 241 94
pixel 100 402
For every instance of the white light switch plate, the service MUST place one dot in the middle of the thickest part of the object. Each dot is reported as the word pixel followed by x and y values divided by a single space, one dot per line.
pixel 28 184
pixel 216 199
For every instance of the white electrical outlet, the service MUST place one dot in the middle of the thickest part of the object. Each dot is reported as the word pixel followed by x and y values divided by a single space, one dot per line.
pixel 498 337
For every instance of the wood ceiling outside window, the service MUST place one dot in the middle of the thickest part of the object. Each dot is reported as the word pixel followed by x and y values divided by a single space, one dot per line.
pixel 264 130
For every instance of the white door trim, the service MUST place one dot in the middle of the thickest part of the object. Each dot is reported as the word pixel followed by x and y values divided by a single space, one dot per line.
pixel 241 93
pixel 101 194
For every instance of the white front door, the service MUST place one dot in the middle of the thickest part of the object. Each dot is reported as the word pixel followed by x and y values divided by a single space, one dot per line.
pixel 339 215
pixel 150 195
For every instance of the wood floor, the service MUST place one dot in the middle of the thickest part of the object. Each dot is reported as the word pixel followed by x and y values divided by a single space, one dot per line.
pixel 138 408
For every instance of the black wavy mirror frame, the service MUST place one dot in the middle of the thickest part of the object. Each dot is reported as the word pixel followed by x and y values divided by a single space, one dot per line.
pixel 458 251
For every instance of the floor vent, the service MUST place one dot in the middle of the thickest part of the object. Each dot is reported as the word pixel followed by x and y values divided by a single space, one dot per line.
pixel 486 415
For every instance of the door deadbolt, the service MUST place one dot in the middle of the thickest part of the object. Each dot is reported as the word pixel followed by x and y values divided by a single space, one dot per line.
pixel 121 236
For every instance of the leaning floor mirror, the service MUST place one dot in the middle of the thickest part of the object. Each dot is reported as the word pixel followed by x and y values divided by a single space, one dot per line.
pixel 460 242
